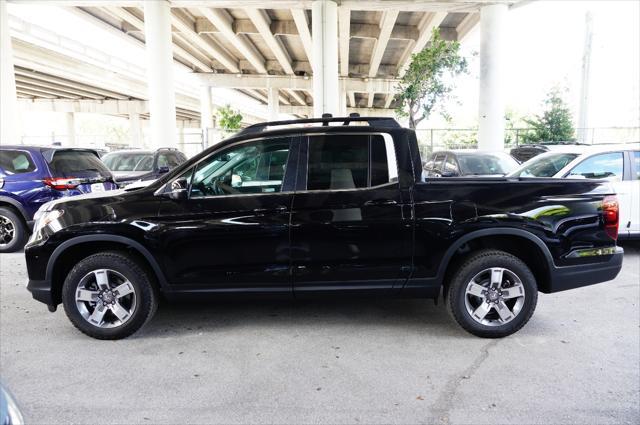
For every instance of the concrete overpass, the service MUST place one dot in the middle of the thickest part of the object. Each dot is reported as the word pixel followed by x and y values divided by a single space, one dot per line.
pixel 349 62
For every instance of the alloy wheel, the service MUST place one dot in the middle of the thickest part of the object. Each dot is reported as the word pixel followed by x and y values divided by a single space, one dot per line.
pixel 105 298
pixel 7 230
pixel 494 296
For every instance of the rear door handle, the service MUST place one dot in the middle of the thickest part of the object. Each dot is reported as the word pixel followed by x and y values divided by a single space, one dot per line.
pixel 379 202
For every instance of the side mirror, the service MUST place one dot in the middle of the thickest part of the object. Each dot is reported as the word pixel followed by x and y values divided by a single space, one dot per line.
pixel 236 180
pixel 164 169
pixel 178 190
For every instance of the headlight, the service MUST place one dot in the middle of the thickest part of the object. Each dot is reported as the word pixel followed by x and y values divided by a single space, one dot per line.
pixel 12 416
pixel 44 219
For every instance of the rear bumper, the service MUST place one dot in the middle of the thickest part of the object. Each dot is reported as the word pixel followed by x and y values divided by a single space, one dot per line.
pixel 570 277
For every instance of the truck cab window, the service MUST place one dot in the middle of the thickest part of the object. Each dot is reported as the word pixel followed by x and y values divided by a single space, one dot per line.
pixel 350 162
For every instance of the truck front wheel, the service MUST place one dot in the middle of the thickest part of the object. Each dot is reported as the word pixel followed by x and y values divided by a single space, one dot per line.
pixel 493 294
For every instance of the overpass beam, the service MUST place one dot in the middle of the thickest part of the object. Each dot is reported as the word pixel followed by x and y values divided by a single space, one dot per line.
pixel 8 97
pixel 491 108
pixel 324 25
pixel 162 99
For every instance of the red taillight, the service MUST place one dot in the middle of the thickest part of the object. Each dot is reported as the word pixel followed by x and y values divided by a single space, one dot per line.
pixel 62 184
pixel 610 215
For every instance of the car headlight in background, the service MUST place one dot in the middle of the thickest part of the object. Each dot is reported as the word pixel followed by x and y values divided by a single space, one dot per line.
pixel 45 218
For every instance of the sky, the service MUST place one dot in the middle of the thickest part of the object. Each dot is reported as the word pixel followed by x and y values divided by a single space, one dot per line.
pixel 543 49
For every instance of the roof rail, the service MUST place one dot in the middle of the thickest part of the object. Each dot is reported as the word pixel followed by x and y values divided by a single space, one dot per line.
pixel 325 120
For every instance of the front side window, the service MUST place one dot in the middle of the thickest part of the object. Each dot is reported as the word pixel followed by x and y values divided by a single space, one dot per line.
pixel 350 161
pixel 607 165
pixel 636 160
pixel 16 162
pixel 257 167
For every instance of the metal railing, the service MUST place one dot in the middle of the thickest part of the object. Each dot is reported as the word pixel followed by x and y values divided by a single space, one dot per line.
pixel 433 139
pixel 193 141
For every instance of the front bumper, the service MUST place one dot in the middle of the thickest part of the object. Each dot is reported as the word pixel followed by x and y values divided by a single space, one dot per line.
pixel 41 291
pixel 570 277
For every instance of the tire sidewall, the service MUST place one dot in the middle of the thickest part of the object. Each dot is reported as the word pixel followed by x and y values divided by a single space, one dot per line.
pixel 475 265
pixel 19 232
pixel 134 274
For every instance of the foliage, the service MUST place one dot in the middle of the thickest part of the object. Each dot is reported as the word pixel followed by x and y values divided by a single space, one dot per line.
pixel 228 119
pixel 429 79
pixel 555 124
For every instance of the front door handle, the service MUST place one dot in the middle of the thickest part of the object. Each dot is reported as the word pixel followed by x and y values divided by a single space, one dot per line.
pixel 281 209
pixel 380 202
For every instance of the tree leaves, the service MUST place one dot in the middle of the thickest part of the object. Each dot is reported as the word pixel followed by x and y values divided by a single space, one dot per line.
pixel 228 119
pixel 556 122
pixel 429 79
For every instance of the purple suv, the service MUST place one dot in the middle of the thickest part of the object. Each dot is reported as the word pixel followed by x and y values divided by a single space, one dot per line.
pixel 31 176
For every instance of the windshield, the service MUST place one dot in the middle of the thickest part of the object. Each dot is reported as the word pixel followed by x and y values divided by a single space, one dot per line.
pixel 486 163
pixel 129 161
pixel 545 165
pixel 73 163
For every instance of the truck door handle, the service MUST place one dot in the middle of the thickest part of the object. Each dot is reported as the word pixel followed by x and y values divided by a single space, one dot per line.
pixel 379 202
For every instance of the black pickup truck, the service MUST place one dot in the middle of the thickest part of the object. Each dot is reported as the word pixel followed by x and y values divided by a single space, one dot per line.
pixel 317 207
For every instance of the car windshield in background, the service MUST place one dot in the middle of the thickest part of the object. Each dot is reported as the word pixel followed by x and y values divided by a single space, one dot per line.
pixel 486 163
pixel 74 163
pixel 545 165
pixel 128 161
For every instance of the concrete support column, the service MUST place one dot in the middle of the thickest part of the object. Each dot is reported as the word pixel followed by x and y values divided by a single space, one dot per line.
pixel 162 101
pixel 181 136
pixel 491 109
pixel 324 23
pixel 342 102
pixel 8 98
pixel 206 113
pixel 71 128
pixel 274 105
pixel 135 130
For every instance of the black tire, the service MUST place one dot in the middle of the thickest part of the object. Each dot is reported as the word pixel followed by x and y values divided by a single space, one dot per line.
pixel 9 218
pixel 476 263
pixel 143 287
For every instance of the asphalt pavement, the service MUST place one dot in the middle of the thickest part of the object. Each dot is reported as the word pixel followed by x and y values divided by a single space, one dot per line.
pixel 348 361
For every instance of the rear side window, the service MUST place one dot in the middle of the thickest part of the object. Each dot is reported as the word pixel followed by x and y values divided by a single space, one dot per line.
pixel 636 160
pixel 16 162
pixel 601 166
pixel 72 163
pixel 350 162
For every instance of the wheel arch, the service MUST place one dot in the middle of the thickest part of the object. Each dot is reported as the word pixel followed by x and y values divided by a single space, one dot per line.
pixel 520 243
pixel 5 201
pixel 70 252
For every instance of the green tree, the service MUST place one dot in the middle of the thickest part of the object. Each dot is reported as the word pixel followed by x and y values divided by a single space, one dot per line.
pixel 228 119
pixel 429 79
pixel 555 124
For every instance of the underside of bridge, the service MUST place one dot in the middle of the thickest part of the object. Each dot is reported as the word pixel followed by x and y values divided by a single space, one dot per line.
pixel 303 57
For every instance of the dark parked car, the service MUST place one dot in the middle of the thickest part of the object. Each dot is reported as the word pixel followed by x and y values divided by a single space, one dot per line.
pixel 458 163
pixel 298 211
pixel 525 152
pixel 33 176
pixel 132 165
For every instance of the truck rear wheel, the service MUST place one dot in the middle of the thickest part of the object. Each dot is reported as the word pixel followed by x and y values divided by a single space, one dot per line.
pixel 493 294
pixel 109 296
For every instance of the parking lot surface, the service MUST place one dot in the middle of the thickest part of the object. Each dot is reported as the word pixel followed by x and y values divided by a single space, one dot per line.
pixel 349 361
